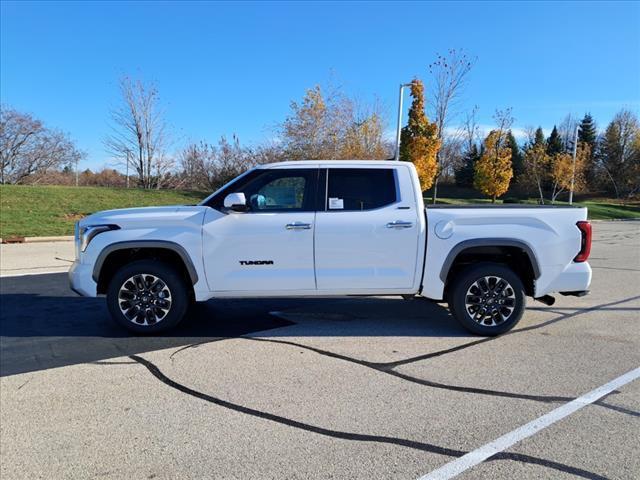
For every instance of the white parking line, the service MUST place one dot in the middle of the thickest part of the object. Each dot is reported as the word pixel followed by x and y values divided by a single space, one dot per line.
pixel 471 459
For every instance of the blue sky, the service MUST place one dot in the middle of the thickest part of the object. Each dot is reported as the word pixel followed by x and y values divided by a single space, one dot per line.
pixel 224 68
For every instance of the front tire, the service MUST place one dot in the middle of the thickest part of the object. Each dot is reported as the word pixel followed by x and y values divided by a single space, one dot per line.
pixel 147 297
pixel 487 299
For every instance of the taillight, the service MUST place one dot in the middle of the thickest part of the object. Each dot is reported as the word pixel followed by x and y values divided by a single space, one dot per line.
pixel 585 244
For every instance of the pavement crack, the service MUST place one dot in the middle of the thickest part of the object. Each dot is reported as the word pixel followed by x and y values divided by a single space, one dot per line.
pixel 427 447
pixel 102 362
pixel 519 457
pixel 352 436
pixel 196 345
pixel 383 368
pixel 563 316
pixel 28 380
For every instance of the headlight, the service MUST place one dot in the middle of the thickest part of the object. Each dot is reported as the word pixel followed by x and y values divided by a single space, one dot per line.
pixel 87 233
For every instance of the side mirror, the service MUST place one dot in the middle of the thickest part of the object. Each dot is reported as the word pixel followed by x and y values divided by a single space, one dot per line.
pixel 236 202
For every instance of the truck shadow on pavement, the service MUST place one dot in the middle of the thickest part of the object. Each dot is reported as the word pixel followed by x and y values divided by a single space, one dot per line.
pixel 44 325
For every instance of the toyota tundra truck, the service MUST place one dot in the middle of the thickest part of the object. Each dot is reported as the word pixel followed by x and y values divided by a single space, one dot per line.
pixel 330 228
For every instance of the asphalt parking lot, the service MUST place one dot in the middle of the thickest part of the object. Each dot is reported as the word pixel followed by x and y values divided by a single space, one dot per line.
pixel 320 388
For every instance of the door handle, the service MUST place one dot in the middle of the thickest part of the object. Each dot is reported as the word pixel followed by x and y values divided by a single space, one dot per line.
pixel 399 224
pixel 298 226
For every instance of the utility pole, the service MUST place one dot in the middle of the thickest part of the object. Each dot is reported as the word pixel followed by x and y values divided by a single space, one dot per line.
pixel 573 166
pixel 402 87
pixel 77 173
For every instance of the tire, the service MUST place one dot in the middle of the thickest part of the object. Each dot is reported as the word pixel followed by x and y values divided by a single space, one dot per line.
pixel 147 297
pixel 487 299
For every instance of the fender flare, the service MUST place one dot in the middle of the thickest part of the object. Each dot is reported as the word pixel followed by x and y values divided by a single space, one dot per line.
pixel 489 242
pixel 141 244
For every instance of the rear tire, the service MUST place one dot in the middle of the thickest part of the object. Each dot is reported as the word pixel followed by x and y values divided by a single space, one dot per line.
pixel 147 297
pixel 487 299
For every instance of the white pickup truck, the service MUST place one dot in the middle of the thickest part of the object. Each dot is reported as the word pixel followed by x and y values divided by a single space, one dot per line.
pixel 330 228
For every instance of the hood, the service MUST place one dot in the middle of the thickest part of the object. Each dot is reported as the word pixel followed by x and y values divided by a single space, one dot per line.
pixel 141 217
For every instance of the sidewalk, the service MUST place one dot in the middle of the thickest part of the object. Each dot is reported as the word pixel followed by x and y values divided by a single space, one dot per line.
pixel 32 258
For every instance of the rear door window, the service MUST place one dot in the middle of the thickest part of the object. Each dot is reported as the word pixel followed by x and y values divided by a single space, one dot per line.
pixel 359 189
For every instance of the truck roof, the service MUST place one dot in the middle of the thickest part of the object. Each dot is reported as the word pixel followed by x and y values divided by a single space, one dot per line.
pixel 298 163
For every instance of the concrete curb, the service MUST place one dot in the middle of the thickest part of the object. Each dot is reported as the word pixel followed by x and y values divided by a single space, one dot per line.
pixel 65 238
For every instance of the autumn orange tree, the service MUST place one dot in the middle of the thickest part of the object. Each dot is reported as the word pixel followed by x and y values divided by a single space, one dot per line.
pixel 332 126
pixel 493 171
pixel 419 141
pixel 563 170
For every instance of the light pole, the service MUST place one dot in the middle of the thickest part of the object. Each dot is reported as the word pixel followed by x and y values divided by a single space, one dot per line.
pixel 573 165
pixel 402 87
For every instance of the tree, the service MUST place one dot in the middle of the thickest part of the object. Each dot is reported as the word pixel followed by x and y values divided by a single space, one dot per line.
pixel 564 169
pixel 494 171
pixel 28 148
pixel 466 167
pixel 554 143
pixel 587 131
pixel 332 127
pixel 139 136
pixel 619 154
pixel 567 132
pixel 464 173
pixel 207 167
pixel 588 135
pixel 517 159
pixel 536 162
pixel 419 141
pixel 450 74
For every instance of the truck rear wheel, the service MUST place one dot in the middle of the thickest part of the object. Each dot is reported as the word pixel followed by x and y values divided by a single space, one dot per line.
pixel 487 299
pixel 147 297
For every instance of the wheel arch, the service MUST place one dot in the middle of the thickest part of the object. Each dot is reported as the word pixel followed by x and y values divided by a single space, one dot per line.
pixel 516 254
pixel 115 255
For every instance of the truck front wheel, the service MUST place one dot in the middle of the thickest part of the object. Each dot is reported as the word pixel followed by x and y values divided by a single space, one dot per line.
pixel 487 299
pixel 147 296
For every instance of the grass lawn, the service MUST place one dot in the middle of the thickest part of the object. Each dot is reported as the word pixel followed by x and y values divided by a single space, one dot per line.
pixel 34 211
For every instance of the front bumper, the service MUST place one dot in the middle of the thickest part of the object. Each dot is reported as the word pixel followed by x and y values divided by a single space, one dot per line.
pixel 81 280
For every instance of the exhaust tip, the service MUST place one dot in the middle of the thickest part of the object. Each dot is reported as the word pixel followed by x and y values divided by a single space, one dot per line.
pixel 546 299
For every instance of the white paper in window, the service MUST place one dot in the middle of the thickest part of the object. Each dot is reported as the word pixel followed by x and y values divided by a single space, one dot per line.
pixel 336 203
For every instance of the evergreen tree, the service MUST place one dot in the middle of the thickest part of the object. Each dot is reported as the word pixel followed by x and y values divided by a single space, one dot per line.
pixel 587 132
pixel 539 138
pixel 464 173
pixel 554 143
pixel 517 160
pixel 588 135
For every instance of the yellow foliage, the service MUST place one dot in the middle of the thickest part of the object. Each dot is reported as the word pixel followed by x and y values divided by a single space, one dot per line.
pixel 562 168
pixel 423 153
pixel 420 143
pixel 493 171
